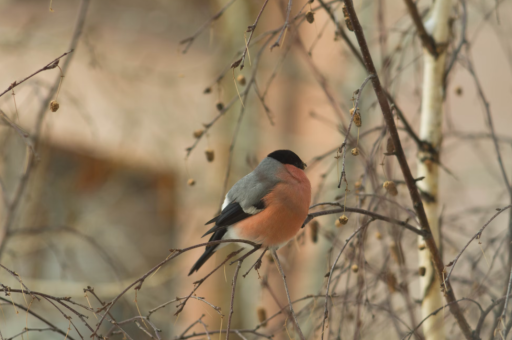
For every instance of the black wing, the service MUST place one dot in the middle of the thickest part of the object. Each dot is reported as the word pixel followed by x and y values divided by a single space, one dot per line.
pixel 230 215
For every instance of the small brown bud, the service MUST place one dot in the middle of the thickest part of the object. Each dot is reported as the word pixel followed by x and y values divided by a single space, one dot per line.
pixel 262 316
pixel 421 246
pixel 391 281
pixel 314 226
pixel 198 133
pixel 210 155
pixel 378 236
pixel 422 271
pixel 358 184
pixel 347 18
pixel 390 147
pixel 241 79
pixel 191 182
pixel 207 90
pixel 355 151
pixel 355 268
pixel 310 17
pixel 390 187
pixel 458 91
pixel 357 118
pixel 219 105
pixel 341 221
pixel 54 105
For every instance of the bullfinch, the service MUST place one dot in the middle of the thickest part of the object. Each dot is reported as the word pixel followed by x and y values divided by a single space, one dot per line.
pixel 268 206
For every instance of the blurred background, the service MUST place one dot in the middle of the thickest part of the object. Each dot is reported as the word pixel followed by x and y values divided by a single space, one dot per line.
pixel 108 192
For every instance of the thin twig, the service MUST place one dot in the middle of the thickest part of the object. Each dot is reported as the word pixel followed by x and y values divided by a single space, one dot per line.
pixel 333 266
pixel 24 135
pixel 285 26
pixel 251 29
pixel 193 37
pixel 486 312
pixel 296 323
pixel 165 304
pixel 256 264
pixel 22 184
pixel 37 316
pixel 434 313
pixel 250 331
pixel 509 287
pixel 50 66
pixel 476 236
pixel 233 283
pixel 343 147
pixel 363 212
pixel 137 284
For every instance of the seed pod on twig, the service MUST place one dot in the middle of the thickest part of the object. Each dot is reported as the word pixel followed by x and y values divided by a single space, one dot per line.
pixel 210 155
pixel 314 226
pixel 421 246
pixel 355 151
pixel 191 182
pixel 54 105
pixel 310 17
pixel 390 187
pixel 219 105
pixel 355 268
pixel 341 221
pixel 262 316
pixel 347 18
pixel 198 133
pixel 357 118
pixel 241 79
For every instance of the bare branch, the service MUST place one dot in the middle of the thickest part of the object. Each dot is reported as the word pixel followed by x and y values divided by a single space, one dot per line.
pixel 426 39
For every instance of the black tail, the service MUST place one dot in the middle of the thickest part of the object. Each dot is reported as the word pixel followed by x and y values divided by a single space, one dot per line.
pixel 208 252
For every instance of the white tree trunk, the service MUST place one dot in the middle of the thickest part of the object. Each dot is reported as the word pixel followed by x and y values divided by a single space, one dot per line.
pixel 430 131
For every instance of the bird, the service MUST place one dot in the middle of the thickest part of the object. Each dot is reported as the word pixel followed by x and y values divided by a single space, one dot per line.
pixel 268 206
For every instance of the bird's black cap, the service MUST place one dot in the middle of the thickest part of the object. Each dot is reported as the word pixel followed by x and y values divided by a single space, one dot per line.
pixel 288 157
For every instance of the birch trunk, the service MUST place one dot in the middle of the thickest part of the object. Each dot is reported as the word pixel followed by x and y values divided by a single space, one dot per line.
pixel 430 131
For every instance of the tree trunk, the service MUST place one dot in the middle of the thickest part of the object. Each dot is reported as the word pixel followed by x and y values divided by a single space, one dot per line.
pixel 431 132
